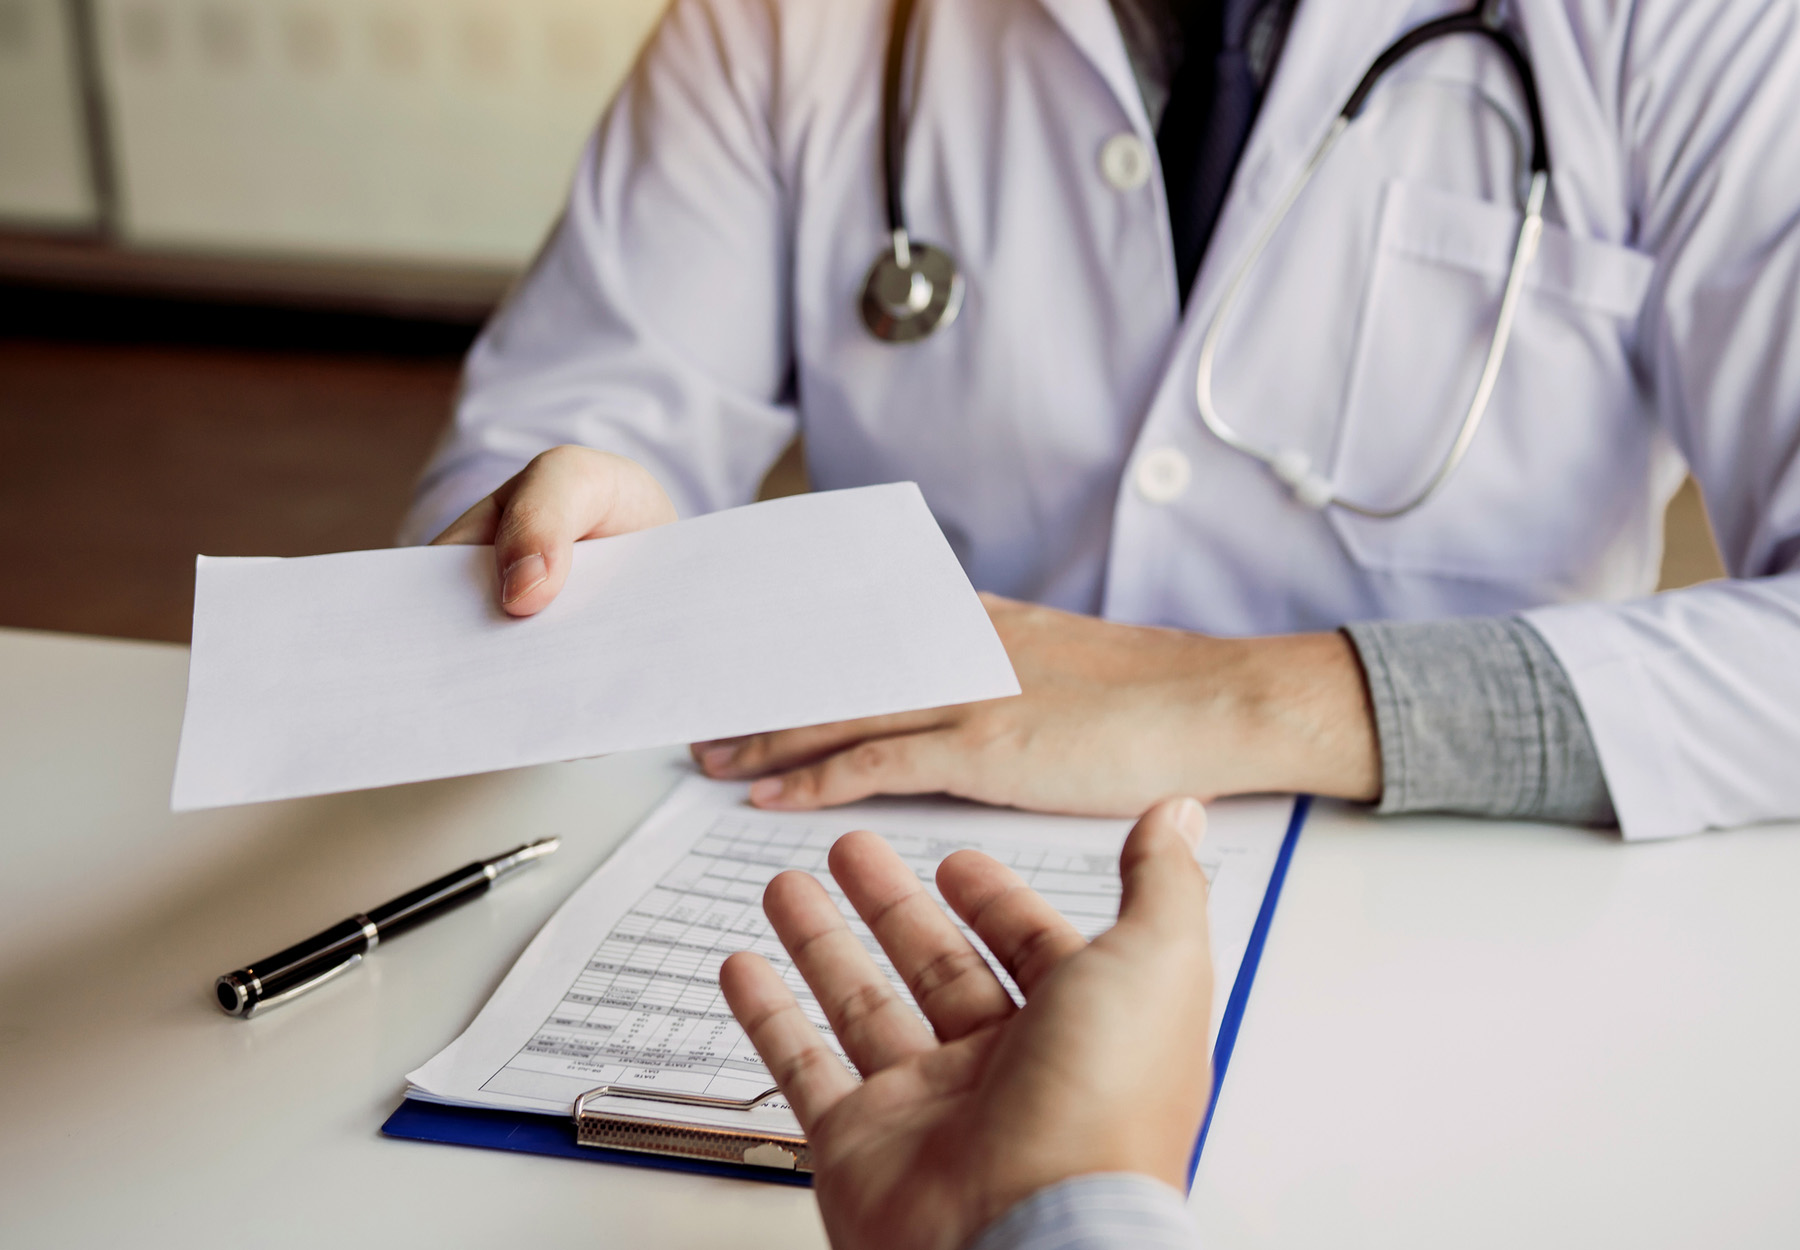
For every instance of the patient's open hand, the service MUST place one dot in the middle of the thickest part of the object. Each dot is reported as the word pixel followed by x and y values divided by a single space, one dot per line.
pixel 1104 1069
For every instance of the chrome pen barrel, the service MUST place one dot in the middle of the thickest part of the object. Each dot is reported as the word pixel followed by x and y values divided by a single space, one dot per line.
pixel 299 968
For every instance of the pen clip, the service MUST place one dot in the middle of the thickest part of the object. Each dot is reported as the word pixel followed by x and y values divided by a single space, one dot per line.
pixel 294 991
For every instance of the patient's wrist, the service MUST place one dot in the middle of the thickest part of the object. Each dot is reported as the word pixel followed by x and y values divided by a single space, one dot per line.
pixel 1096 1211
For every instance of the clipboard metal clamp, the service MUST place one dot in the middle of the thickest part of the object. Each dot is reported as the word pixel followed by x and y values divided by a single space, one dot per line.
pixel 651 1135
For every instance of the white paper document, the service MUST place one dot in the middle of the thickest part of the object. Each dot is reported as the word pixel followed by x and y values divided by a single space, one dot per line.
pixel 372 668
pixel 621 986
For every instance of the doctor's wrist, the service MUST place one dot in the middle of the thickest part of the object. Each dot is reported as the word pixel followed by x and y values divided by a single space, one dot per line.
pixel 1298 715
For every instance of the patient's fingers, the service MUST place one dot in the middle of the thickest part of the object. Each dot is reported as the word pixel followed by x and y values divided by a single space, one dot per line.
pixel 1027 935
pixel 1164 888
pixel 947 976
pixel 811 1077
pixel 876 1028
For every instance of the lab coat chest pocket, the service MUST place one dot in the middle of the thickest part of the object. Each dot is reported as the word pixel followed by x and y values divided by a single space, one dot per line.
pixel 1561 459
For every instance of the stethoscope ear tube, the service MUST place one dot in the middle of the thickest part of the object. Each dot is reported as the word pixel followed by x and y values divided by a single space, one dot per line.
pixel 1476 22
pixel 1294 468
pixel 893 125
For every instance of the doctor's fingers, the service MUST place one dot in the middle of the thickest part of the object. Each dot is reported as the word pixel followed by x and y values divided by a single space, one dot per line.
pixel 945 974
pixel 565 495
pixel 756 754
pixel 876 1027
pixel 473 528
pixel 535 518
pixel 1027 935
pixel 811 1078
pixel 931 762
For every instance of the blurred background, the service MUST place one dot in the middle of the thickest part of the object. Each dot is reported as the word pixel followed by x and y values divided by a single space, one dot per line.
pixel 243 245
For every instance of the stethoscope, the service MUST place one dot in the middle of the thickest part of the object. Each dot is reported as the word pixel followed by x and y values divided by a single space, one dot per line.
pixel 1294 467
pixel 914 288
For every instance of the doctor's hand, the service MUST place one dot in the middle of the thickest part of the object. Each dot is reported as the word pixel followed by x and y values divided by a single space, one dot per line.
pixel 534 520
pixel 1112 718
pixel 1104 1069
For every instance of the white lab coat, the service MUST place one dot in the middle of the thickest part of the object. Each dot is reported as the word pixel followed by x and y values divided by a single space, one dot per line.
pixel 698 303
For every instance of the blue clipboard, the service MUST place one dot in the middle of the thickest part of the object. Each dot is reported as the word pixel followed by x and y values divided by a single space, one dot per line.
pixel 418 1120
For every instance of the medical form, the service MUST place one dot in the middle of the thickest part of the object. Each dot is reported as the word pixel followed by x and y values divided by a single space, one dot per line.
pixel 621 986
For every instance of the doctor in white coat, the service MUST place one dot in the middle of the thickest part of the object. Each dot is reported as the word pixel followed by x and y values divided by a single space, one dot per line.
pixel 698 305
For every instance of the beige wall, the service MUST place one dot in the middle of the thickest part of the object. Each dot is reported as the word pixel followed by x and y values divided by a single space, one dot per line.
pixel 430 130
pixel 43 151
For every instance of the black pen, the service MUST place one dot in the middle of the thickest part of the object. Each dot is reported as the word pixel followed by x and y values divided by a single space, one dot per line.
pixel 309 964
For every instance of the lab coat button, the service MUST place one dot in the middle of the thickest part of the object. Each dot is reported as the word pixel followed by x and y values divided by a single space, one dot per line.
pixel 1125 162
pixel 1163 474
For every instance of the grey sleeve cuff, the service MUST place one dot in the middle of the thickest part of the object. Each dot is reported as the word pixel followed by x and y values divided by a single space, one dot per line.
pixel 1108 1211
pixel 1477 716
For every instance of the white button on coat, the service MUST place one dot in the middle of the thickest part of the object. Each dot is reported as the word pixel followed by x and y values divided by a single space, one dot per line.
pixel 1125 162
pixel 1163 474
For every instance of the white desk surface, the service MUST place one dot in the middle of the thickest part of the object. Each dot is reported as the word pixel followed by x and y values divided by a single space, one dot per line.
pixel 1463 1034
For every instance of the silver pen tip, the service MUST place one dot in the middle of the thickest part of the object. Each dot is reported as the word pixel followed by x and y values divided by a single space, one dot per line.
pixel 514 860
pixel 531 851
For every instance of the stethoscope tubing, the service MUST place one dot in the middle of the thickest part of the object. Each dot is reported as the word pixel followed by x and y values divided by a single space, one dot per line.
pixel 893 120
pixel 1294 468
pixel 1476 21
pixel 912 290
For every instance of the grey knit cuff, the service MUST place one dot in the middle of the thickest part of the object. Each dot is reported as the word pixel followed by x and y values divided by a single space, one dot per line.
pixel 1477 716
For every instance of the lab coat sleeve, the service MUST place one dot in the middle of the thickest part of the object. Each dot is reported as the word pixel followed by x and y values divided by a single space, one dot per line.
pixel 1693 696
pixel 655 322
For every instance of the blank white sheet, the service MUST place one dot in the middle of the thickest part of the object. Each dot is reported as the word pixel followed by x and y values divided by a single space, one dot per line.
pixel 372 668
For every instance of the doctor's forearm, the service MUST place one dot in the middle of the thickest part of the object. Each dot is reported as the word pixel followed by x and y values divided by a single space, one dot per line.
pixel 1112 718
pixel 1295 712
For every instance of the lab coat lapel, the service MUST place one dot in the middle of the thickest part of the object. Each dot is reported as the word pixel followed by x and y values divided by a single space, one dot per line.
pixel 1329 48
pixel 1091 27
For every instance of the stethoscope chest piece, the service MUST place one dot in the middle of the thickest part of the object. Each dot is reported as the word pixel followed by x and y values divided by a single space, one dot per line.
pixel 911 291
